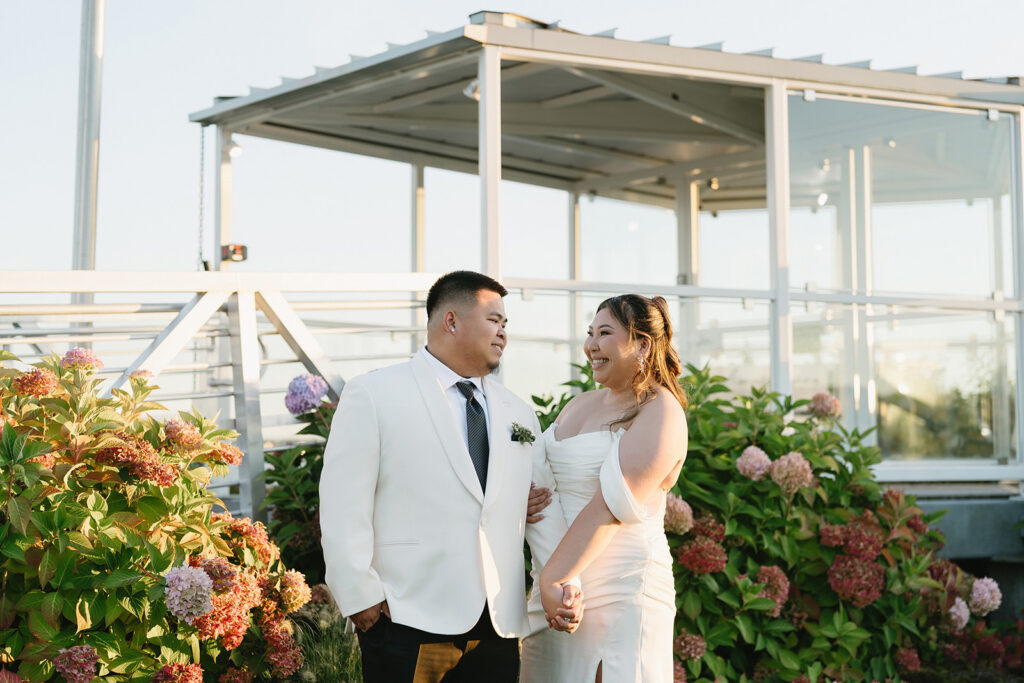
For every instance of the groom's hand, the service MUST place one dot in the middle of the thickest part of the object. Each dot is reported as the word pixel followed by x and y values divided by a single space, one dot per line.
pixel 569 615
pixel 368 617
pixel 539 499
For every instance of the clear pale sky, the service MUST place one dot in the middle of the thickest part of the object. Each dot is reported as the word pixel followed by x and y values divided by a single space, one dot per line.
pixel 165 60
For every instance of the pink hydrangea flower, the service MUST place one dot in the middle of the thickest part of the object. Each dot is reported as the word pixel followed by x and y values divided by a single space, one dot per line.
pixel 985 596
pixel 227 454
pixel 959 614
pixel 284 655
pixel 320 594
pixel 689 646
pixel 182 433
pixel 856 579
pixel 188 592
pixel 179 673
pixel 678 673
pixel 825 405
pixel 79 357
pixel 233 675
pixel 77 664
pixel 702 555
pixel 907 659
pixel 221 573
pixel 38 382
pixel 294 591
pixel 776 587
pixel 143 374
pixel 678 515
pixel 754 463
pixel 792 472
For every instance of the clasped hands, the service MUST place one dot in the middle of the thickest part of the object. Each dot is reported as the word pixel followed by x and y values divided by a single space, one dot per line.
pixel 563 606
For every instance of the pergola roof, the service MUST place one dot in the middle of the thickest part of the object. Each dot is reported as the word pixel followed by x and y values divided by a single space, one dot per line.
pixel 583 113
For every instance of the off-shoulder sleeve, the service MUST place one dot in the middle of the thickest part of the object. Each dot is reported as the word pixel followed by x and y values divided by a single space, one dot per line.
pixel 617 495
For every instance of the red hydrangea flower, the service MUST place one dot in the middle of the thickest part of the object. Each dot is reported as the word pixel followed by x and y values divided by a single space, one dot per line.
pixel 179 673
pixel 284 655
pixel 227 454
pixel 702 555
pixel 229 618
pixel 853 578
pixel 907 659
pixel 689 646
pixel 706 525
pixel 776 587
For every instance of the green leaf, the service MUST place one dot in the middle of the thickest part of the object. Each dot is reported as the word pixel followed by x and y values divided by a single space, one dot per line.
pixel 746 627
pixel 121 577
pixel 692 604
pixel 789 660
pixel 51 608
pixel 40 627
pixel 19 509
pixel 47 566
pixel 104 641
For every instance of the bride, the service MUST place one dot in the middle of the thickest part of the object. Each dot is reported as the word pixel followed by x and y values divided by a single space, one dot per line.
pixel 614 453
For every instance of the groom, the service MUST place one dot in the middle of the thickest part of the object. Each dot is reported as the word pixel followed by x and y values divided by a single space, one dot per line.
pixel 423 501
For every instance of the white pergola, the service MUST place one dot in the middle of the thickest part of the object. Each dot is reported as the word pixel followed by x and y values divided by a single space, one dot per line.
pixel 684 128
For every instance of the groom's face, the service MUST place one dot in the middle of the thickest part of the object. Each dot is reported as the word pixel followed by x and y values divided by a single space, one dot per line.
pixel 480 332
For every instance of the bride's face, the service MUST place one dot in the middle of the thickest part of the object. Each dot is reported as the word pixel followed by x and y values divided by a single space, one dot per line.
pixel 611 352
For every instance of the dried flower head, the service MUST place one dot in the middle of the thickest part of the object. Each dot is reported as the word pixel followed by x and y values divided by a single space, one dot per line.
pixel 754 463
pixel 825 405
pixel 188 592
pixel 82 358
pixel 985 596
pixel 792 472
pixel 227 454
pixel 702 555
pixel 776 587
pixel 855 579
pixel 179 673
pixel 959 614
pixel 294 591
pixel 77 664
pixel 181 433
pixel 689 646
pixel 38 382
pixel 678 515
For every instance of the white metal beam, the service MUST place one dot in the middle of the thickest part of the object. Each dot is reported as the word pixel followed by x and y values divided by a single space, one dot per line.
pixel 658 99
pixel 298 337
pixel 577 97
pixel 569 146
pixel 777 152
pixel 245 356
pixel 90 80
pixel 704 166
pixel 222 198
pixel 490 160
pixel 174 337
pixel 454 88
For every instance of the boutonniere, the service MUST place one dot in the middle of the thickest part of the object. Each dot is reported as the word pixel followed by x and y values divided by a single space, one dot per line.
pixel 522 434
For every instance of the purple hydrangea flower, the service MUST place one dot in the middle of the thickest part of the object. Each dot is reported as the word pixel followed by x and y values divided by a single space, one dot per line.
pixel 754 463
pixel 188 592
pixel 305 393
pixel 959 614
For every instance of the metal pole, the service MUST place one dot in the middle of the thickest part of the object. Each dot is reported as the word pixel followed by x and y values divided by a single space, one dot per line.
pixel 417 248
pixel 489 125
pixel 87 161
pixel 777 159
pixel 688 263
pixel 575 298
pixel 867 407
pixel 222 212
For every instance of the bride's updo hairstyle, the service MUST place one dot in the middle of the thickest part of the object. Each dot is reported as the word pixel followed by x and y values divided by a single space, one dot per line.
pixel 648 319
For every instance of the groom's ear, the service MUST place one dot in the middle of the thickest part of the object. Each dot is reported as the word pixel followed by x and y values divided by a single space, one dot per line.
pixel 448 321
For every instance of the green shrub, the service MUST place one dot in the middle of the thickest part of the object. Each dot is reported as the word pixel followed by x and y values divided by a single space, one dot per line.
pixel 105 517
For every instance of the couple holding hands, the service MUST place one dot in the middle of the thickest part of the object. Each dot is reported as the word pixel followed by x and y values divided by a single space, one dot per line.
pixel 424 493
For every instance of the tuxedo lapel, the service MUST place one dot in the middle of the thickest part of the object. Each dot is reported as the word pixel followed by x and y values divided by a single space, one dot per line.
pixel 441 415
pixel 499 435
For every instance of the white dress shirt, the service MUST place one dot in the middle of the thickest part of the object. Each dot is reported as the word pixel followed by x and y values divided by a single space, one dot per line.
pixel 456 401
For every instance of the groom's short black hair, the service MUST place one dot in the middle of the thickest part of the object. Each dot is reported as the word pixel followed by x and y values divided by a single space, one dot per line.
pixel 459 284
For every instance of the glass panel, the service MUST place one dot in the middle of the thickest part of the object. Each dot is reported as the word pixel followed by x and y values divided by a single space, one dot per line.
pixel 945 385
pixel 823 355
pixel 627 242
pixel 899 189
pixel 734 249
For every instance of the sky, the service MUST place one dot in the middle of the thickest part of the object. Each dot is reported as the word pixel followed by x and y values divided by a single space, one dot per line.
pixel 165 60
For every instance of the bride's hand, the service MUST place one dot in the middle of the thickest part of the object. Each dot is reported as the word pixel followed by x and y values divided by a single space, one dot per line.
pixel 551 600
pixel 563 606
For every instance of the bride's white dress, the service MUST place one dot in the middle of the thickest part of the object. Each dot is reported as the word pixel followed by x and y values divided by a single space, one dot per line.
pixel 629 591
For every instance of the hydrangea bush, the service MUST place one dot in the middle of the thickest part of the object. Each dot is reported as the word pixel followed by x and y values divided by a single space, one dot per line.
pixel 792 562
pixel 113 562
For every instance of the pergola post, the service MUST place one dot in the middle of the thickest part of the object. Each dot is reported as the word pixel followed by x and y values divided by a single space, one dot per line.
pixel 688 262
pixel 222 207
pixel 777 163
pixel 489 129
pixel 417 244
pixel 90 78
pixel 575 298
pixel 867 406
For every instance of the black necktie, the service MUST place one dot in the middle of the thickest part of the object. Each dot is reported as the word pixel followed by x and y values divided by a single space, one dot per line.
pixel 476 431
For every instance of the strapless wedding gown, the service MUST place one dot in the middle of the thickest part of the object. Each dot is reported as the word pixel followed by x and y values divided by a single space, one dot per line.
pixel 629 590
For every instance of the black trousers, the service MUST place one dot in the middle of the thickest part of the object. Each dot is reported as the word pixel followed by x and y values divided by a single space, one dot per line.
pixel 395 653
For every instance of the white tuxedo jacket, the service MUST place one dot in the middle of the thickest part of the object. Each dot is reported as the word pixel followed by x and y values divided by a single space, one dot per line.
pixel 403 515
